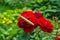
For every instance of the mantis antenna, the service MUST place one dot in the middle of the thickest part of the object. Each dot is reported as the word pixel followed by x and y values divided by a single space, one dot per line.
pixel 27 20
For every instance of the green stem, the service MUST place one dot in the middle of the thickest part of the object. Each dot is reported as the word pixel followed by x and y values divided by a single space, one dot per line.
pixel 57 29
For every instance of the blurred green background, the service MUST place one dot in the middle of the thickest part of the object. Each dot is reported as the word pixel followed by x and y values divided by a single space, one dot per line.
pixel 11 9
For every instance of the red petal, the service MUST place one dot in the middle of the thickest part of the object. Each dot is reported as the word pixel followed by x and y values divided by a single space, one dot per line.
pixel 27 30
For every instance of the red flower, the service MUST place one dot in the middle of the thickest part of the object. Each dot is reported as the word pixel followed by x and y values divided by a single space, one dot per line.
pixel 45 25
pixel 25 25
pixel 38 15
pixel 57 38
